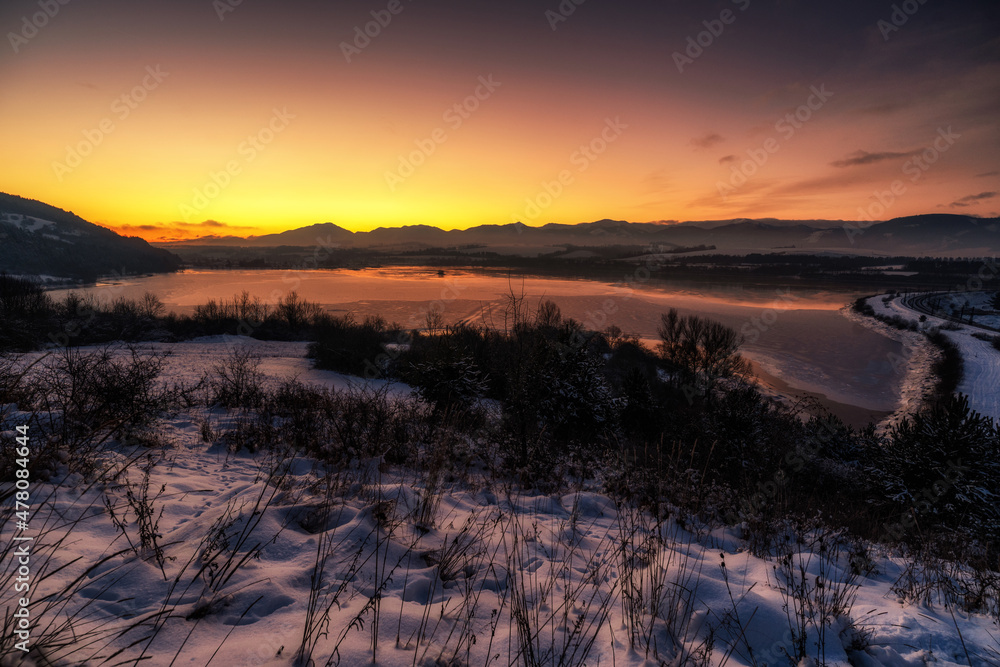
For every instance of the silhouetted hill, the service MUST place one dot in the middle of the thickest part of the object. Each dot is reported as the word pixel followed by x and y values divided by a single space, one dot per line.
pixel 39 239
pixel 932 234
pixel 916 235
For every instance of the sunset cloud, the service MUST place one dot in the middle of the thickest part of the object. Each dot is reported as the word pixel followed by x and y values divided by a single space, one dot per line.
pixel 179 231
pixel 861 158
pixel 707 141
pixel 971 199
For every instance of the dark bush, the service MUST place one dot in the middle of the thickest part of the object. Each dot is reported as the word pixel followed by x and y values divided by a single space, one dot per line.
pixel 331 425
pixel 83 320
pixel 941 467
pixel 860 305
pixel 82 399
pixel 449 384
pixel 949 368
pixel 343 345
pixel 700 351
pixel 25 312
pixel 236 381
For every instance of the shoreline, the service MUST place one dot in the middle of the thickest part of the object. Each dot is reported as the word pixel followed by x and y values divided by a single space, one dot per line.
pixel 916 390
pixel 980 360
pixel 919 381
pixel 779 390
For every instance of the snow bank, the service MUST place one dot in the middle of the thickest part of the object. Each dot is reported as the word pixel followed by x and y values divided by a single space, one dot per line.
pixel 980 360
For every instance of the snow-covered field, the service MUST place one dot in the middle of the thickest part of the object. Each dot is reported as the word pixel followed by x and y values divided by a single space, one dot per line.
pixel 254 551
pixel 981 361
pixel 981 301
pixel 188 361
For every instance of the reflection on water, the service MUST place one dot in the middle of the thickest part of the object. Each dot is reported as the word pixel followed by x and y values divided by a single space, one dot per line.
pixel 795 334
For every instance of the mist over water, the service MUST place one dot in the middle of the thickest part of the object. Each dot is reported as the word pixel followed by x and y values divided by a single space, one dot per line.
pixel 796 335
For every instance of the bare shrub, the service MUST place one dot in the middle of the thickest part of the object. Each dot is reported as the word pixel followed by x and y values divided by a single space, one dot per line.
pixel 88 397
pixel 25 308
pixel 243 308
pixel 817 589
pixel 236 380
pixel 557 619
pixel 367 421
pixel 140 502
pixel 13 387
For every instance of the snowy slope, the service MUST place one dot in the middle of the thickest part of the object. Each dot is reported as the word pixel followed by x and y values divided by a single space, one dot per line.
pixel 446 566
pixel 26 222
pixel 980 360
pixel 38 239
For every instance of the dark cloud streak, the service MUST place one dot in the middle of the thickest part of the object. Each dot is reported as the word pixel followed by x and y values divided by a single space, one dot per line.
pixel 862 158
pixel 707 141
pixel 971 199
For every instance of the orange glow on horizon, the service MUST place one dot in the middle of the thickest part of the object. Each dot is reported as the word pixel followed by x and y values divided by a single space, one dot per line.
pixel 130 127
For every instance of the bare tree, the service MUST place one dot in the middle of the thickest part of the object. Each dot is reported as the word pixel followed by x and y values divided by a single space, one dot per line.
pixel 548 314
pixel 720 355
pixel 700 349
pixel 434 321
pixel 671 332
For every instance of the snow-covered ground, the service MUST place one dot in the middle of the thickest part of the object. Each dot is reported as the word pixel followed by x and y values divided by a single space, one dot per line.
pixel 981 301
pixel 463 570
pixel 26 222
pixel 980 360
pixel 188 361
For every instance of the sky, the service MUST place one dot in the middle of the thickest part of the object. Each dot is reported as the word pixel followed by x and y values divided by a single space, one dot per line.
pixel 169 120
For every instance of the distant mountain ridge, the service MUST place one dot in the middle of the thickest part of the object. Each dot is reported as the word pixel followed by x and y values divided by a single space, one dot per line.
pixel 913 235
pixel 39 239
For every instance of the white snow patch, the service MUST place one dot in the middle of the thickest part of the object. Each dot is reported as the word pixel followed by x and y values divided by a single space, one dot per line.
pixel 980 361
pixel 26 222
pixel 445 592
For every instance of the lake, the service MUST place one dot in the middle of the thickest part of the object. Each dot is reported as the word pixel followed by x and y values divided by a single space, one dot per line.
pixel 797 338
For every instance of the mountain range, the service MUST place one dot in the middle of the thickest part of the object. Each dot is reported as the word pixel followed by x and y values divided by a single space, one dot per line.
pixel 921 235
pixel 39 239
